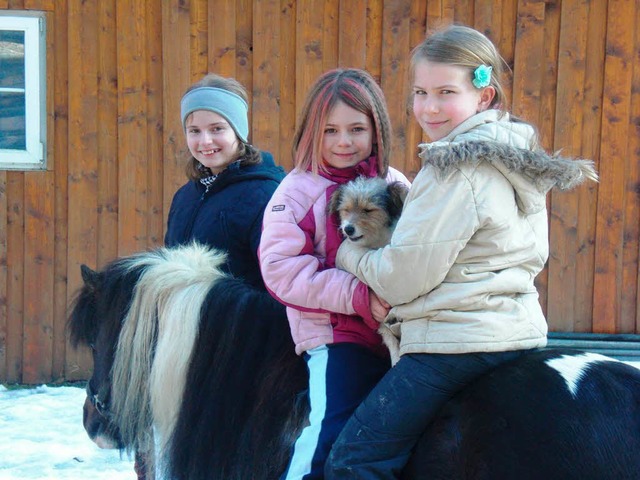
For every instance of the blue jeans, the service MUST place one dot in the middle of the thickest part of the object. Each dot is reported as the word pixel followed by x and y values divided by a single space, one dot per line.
pixel 377 440
pixel 340 377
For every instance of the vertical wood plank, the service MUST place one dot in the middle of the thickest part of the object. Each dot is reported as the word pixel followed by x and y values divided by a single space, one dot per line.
pixel 549 73
pixel 38 278
pixel 309 48
pixel 176 77
pixel 352 33
pixel 615 131
pixel 443 12
pixel 563 214
pixel 414 134
pixel 330 36
pixel 199 10
pixel 222 37
pixel 3 276
pixel 155 220
pixel 83 30
pixel 287 72
pixel 38 327
pixel 396 48
pixel 630 301
pixel 546 117
pixel 486 18
pixel 588 196
pixel 15 273
pixel 528 76
pixel 59 133
pixel 244 47
pixel 373 58
pixel 133 188
pixel 506 44
pixel 108 162
pixel 266 75
pixel 459 11
pixel 528 59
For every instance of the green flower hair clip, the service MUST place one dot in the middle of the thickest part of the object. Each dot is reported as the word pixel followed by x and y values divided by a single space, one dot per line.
pixel 482 76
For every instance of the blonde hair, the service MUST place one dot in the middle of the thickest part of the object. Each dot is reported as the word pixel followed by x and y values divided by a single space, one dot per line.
pixel 247 153
pixel 357 89
pixel 464 47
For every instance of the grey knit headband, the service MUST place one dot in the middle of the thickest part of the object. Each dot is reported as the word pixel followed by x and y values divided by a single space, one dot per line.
pixel 223 102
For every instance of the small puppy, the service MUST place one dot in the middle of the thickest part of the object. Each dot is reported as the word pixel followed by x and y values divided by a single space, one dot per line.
pixel 368 210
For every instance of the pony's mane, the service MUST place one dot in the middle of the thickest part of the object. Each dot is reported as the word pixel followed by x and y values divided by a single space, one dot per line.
pixel 243 402
pixel 157 337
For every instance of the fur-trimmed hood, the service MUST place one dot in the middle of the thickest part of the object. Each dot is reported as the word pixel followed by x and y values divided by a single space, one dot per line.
pixel 532 173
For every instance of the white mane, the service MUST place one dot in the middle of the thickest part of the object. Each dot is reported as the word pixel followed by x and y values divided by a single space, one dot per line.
pixel 156 341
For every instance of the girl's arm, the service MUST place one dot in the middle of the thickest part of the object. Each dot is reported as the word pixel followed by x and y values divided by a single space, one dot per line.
pixel 293 273
pixel 438 220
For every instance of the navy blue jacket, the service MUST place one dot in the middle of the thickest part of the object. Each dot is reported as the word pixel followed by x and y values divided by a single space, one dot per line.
pixel 227 215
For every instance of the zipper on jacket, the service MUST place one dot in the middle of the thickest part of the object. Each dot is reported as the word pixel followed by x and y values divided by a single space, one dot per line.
pixel 189 229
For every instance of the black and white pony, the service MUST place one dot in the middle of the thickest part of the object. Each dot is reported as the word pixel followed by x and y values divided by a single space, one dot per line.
pixel 192 368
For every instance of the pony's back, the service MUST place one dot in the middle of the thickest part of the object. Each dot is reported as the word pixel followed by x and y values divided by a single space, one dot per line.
pixel 551 414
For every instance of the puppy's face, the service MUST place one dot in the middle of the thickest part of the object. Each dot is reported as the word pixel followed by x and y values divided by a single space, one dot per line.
pixel 367 210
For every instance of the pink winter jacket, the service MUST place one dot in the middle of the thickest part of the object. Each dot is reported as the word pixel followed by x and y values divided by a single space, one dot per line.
pixel 297 258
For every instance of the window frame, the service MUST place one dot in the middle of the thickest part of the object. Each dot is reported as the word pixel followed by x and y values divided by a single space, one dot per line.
pixel 34 156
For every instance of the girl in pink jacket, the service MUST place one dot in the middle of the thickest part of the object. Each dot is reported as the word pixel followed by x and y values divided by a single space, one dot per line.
pixel 344 133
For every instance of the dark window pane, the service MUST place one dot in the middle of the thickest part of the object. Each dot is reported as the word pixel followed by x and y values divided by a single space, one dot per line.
pixel 12 121
pixel 12 59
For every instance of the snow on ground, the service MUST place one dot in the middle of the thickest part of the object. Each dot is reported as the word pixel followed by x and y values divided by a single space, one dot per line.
pixel 42 437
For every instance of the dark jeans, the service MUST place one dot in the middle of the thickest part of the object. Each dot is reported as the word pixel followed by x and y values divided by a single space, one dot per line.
pixel 340 377
pixel 377 440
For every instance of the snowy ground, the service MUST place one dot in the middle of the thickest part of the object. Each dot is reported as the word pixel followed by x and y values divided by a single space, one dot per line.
pixel 41 437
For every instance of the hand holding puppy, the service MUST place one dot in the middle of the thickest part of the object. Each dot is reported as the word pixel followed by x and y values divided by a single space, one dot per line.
pixel 379 308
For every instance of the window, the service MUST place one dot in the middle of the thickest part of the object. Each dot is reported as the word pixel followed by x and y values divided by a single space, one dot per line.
pixel 22 90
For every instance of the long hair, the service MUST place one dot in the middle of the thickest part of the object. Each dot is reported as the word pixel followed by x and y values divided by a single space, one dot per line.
pixel 357 89
pixel 463 47
pixel 247 153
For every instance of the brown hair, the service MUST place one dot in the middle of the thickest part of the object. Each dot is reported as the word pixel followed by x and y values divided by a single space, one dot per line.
pixel 247 153
pixel 357 89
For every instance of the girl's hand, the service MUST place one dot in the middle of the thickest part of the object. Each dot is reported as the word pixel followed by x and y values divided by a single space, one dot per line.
pixel 379 308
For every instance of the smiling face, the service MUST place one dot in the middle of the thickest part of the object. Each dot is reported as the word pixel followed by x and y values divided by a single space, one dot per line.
pixel 347 138
pixel 211 140
pixel 444 97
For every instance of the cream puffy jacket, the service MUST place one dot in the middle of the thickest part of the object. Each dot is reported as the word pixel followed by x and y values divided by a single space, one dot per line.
pixel 472 237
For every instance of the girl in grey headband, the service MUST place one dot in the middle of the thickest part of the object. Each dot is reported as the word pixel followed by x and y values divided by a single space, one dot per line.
pixel 214 114
pixel 221 206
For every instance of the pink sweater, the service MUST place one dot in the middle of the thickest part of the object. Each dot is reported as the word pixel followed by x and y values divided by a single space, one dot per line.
pixel 297 259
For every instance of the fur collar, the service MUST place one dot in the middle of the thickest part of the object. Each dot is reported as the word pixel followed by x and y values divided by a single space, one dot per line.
pixel 544 171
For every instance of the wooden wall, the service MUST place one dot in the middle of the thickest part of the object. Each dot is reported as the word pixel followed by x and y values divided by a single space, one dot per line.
pixel 117 70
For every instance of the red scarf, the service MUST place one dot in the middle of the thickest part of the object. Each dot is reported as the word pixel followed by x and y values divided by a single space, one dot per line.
pixel 366 168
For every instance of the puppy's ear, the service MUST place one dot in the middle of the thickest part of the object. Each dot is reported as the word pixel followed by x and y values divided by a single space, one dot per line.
pixel 397 194
pixel 334 201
